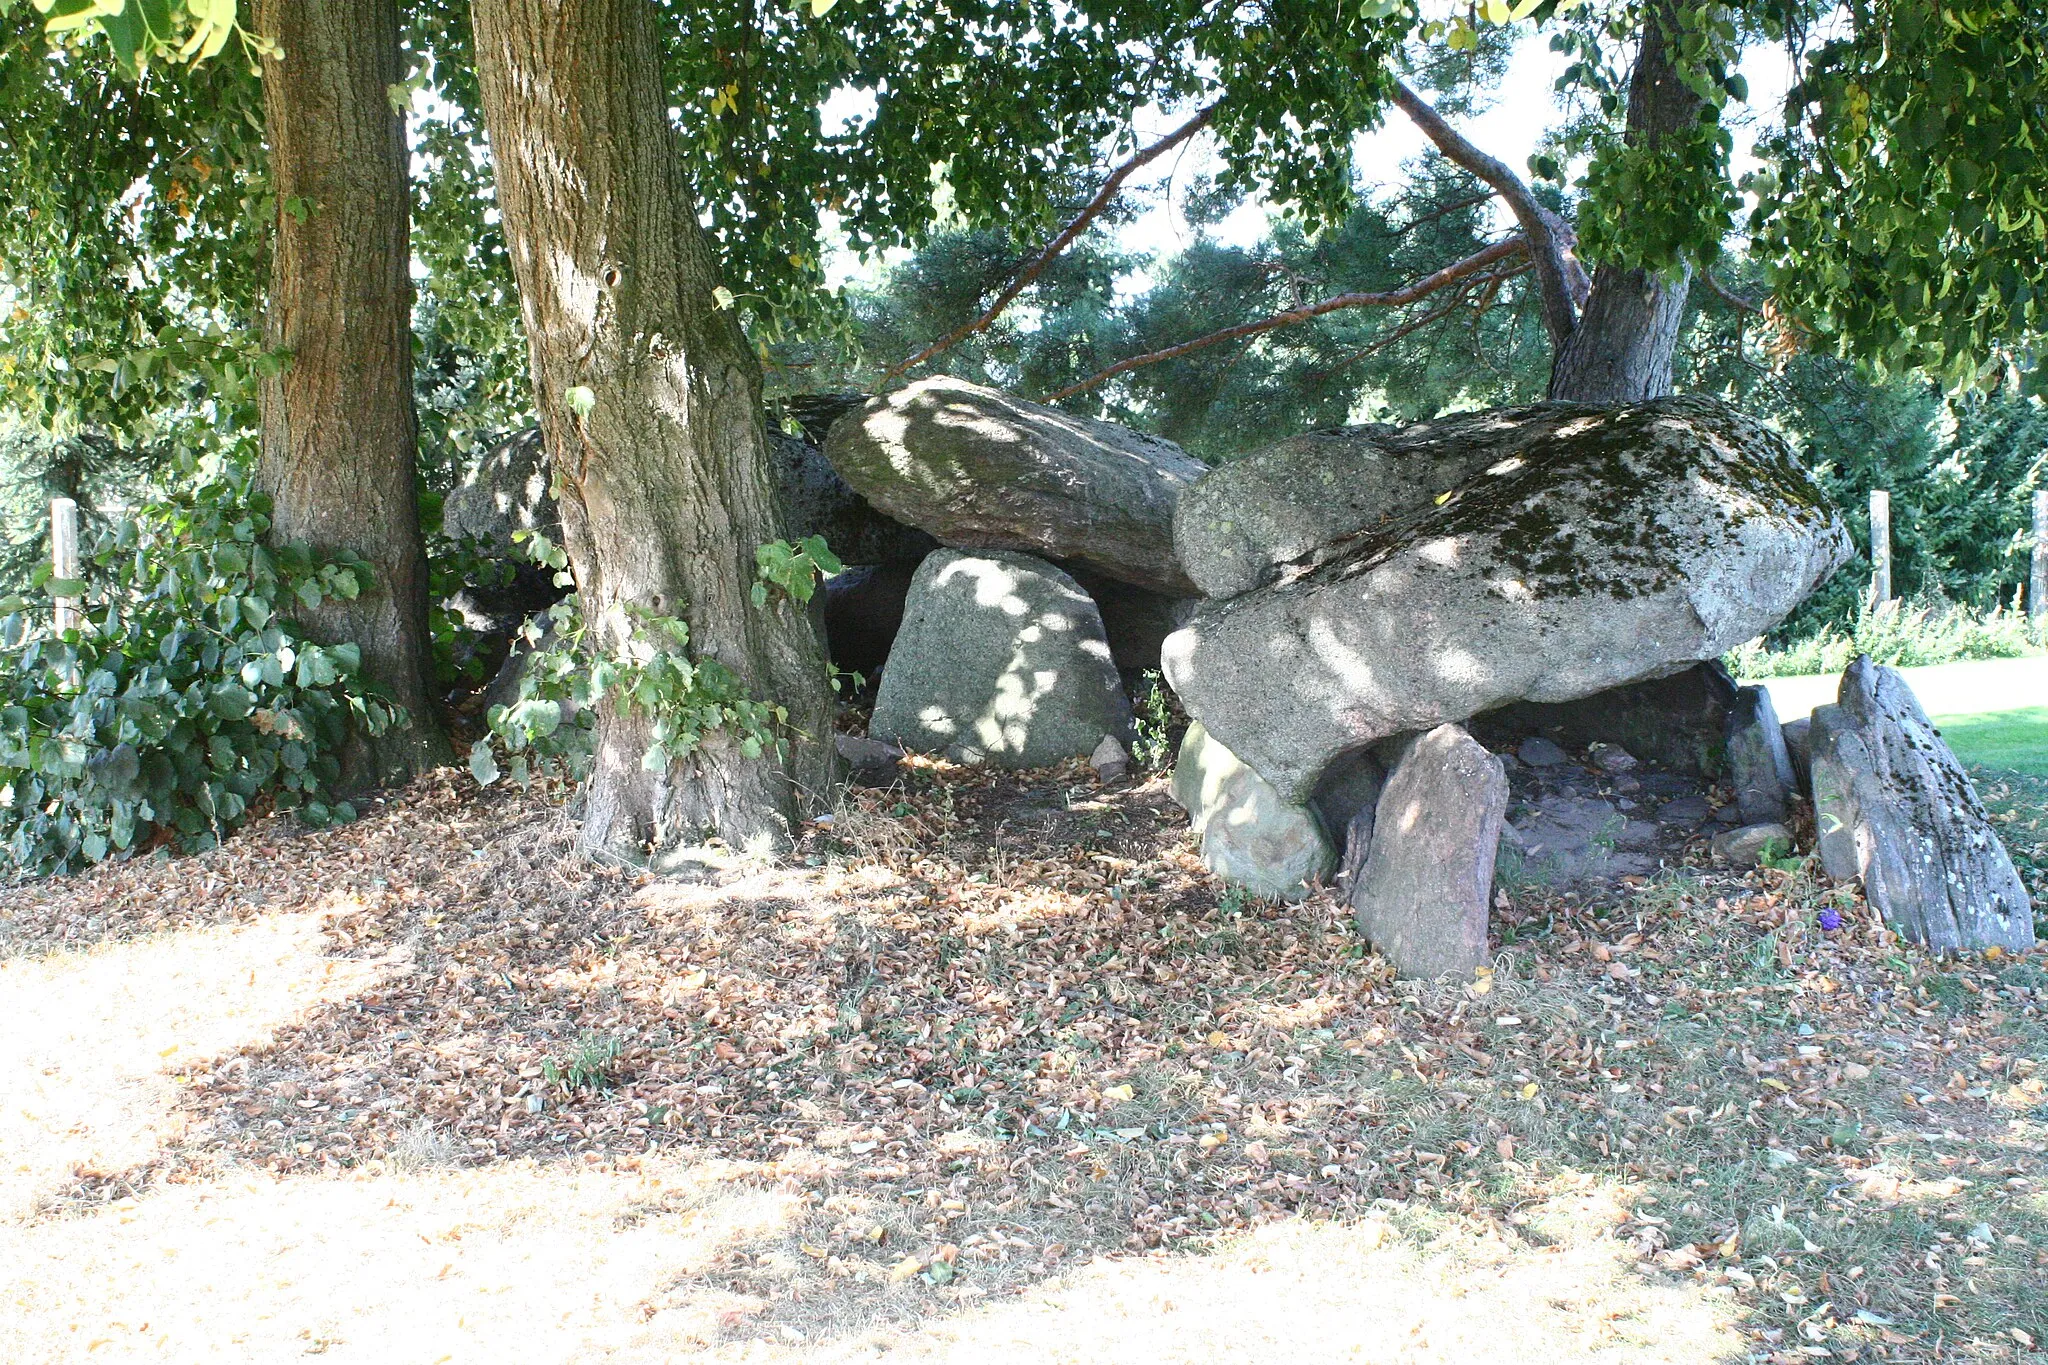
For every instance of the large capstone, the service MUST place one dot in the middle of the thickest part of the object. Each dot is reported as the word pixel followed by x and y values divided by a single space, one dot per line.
pixel 817 502
pixel 1423 893
pixel 1001 659
pixel 1248 519
pixel 1250 836
pixel 1621 545
pixel 982 470
pixel 1895 809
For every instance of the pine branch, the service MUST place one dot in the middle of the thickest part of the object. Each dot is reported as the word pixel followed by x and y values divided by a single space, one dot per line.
pixel 1562 279
pixel 1406 294
pixel 1488 288
pixel 1094 209
pixel 1729 297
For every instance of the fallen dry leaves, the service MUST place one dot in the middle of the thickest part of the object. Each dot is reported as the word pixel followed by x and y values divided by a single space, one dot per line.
pixel 986 1026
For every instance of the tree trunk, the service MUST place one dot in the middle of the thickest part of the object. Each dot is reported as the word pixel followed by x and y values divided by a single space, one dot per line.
pixel 340 437
pixel 1620 352
pixel 667 486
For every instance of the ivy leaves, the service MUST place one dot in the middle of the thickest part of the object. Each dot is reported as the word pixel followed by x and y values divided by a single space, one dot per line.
pixel 186 702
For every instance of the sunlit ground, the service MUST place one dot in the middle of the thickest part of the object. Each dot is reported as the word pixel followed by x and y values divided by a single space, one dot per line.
pixel 573 1261
pixel 239 1123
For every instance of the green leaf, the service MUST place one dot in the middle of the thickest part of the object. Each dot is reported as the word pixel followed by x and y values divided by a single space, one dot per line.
pixel 483 764
pixel 580 399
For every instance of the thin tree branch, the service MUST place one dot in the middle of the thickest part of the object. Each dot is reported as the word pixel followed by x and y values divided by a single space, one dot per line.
pixel 1434 214
pixel 1563 281
pixel 1104 197
pixel 1407 293
pixel 1488 289
pixel 1729 297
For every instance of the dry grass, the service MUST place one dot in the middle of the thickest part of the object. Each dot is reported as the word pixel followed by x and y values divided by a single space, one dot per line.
pixel 991 1072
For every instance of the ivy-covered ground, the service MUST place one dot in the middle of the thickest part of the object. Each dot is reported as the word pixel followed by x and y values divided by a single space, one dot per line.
pixel 994 1071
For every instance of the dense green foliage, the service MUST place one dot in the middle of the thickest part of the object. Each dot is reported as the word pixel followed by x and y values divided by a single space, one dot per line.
pixel 1908 219
pixel 1898 633
pixel 187 699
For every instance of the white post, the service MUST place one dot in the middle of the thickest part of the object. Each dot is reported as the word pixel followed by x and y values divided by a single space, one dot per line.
pixel 64 559
pixel 1880 547
pixel 2037 582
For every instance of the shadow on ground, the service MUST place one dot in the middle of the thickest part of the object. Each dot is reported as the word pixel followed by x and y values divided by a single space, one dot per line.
pixel 998 1074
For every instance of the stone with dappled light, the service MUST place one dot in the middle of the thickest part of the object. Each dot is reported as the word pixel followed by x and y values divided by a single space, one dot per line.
pixel 1423 894
pixel 1250 836
pixel 1896 810
pixel 1621 545
pixel 1001 660
pixel 979 469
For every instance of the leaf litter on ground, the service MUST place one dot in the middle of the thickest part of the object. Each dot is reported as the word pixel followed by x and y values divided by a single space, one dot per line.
pixel 985 1027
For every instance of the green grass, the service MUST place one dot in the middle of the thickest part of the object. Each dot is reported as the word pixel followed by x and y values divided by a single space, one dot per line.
pixel 2016 740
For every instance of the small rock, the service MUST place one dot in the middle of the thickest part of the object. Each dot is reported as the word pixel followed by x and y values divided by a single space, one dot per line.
pixel 1423 895
pixel 1251 837
pixel 869 762
pixel 1111 761
pixel 1729 815
pixel 1686 810
pixel 1745 847
pixel 1538 752
pixel 1610 758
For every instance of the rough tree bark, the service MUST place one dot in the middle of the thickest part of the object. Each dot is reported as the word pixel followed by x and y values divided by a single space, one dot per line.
pixel 1620 351
pixel 340 437
pixel 668 489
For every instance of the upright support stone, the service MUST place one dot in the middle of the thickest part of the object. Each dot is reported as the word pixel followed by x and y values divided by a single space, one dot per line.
pixel 1758 761
pixel 1251 836
pixel 1422 898
pixel 1896 810
pixel 1880 547
pixel 1001 660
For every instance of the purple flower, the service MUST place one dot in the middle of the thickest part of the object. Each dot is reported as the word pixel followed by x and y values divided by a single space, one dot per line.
pixel 1830 920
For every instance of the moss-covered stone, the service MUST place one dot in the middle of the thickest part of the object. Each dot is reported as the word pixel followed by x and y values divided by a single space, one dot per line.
pixel 1616 545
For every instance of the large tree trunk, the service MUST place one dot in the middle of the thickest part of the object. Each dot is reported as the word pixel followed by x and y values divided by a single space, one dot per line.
pixel 1620 352
pixel 667 481
pixel 340 437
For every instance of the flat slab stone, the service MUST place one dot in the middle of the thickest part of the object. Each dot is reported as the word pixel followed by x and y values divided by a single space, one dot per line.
pixel 1423 896
pixel 1001 659
pixel 980 469
pixel 1895 809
